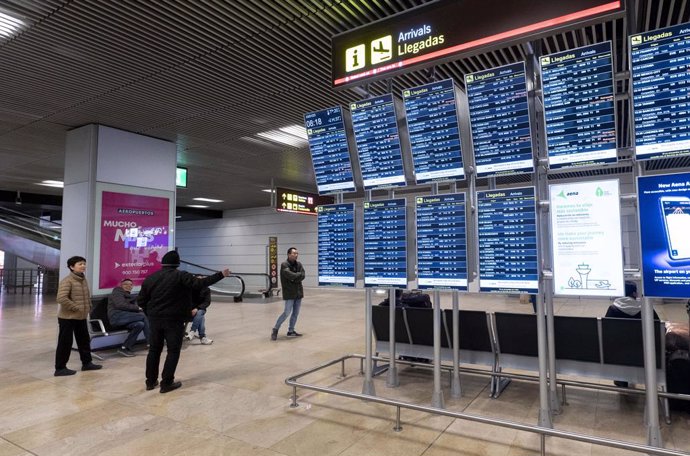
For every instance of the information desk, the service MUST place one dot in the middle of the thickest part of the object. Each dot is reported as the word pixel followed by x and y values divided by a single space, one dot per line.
pixel 507 228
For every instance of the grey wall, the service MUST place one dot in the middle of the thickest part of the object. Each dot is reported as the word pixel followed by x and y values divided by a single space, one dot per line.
pixel 239 240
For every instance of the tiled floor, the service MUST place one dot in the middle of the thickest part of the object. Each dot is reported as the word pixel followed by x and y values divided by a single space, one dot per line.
pixel 234 402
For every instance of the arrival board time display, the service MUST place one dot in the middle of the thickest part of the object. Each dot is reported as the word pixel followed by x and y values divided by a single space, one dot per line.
pixel 579 106
pixel 336 247
pixel 441 242
pixel 661 89
pixel 385 243
pixel 330 154
pixel 507 228
pixel 378 142
pixel 432 124
pixel 499 117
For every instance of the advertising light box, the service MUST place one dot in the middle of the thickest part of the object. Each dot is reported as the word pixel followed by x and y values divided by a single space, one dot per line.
pixel 441 242
pixel 508 246
pixel 586 239
pixel 432 123
pixel 661 89
pixel 374 122
pixel 579 108
pixel 336 246
pixel 664 211
pixel 499 117
pixel 330 154
pixel 385 244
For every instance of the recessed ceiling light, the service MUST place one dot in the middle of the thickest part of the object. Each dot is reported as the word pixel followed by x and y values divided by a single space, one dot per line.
pixel 268 190
pixel 292 135
pixel 197 206
pixel 208 200
pixel 296 130
pixel 9 25
pixel 52 183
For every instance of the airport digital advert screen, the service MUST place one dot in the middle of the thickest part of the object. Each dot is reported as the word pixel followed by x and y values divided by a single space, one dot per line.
pixel 661 89
pixel 664 211
pixel 586 238
pixel 378 142
pixel 385 243
pixel 441 242
pixel 432 123
pixel 499 117
pixel 330 153
pixel 579 109
pixel 336 245
pixel 507 229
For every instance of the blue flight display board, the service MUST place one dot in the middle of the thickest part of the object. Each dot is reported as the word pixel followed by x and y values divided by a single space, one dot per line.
pixel 507 227
pixel 664 211
pixel 661 92
pixel 499 117
pixel 378 142
pixel 579 108
pixel 441 242
pixel 330 153
pixel 385 244
pixel 432 123
pixel 336 249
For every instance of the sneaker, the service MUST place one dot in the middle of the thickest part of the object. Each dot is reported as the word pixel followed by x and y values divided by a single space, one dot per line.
pixel 91 367
pixel 274 334
pixel 206 341
pixel 191 335
pixel 64 372
pixel 293 334
pixel 150 386
pixel 170 387
pixel 124 351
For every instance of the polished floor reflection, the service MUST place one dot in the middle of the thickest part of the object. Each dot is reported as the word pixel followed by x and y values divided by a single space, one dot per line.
pixel 233 400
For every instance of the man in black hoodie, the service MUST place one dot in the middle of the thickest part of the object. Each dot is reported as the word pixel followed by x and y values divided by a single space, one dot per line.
pixel 166 297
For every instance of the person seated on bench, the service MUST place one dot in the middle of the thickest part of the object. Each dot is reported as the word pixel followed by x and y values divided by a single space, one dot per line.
pixel 124 311
pixel 627 307
pixel 201 299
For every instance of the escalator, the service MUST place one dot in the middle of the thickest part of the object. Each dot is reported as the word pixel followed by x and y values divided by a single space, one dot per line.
pixel 32 238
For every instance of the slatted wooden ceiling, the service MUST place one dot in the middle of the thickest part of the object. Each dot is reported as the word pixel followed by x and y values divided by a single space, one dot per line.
pixel 207 73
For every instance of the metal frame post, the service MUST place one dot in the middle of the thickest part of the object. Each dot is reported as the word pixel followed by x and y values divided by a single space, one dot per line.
pixel 368 386
pixel 437 397
pixel 392 380
pixel 455 387
pixel 652 396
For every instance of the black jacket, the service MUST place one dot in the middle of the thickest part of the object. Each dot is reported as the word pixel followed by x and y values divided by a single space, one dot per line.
pixel 201 299
pixel 291 277
pixel 121 301
pixel 167 294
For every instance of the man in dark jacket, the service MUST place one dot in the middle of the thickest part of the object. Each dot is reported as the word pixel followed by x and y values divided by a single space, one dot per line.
pixel 291 277
pixel 166 297
pixel 201 299
pixel 124 311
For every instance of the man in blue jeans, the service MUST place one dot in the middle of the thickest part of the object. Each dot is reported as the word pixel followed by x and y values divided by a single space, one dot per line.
pixel 291 277
pixel 124 311
pixel 201 299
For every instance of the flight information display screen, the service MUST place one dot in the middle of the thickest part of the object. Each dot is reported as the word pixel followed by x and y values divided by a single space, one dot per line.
pixel 441 242
pixel 507 227
pixel 661 89
pixel 330 154
pixel 579 106
pixel 432 123
pixel 336 246
pixel 499 117
pixel 385 243
pixel 378 142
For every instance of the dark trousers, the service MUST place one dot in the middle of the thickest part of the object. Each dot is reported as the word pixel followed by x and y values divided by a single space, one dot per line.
pixel 136 322
pixel 70 329
pixel 172 333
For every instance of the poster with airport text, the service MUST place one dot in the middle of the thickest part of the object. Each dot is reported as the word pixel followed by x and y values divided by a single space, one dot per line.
pixel 664 211
pixel 586 239
pixel 134 236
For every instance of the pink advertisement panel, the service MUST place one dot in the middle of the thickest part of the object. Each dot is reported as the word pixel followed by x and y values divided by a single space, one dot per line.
pixel 134 237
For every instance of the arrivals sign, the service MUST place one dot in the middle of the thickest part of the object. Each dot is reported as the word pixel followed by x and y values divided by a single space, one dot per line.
pixel 586 239
pixel 134 236
pixel 444 30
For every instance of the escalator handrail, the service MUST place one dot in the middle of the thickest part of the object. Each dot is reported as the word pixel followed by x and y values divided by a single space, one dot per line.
pixel 24 215
pixel 214 271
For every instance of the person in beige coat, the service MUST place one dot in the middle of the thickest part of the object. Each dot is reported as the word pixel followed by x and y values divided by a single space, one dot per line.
pixel 74 300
